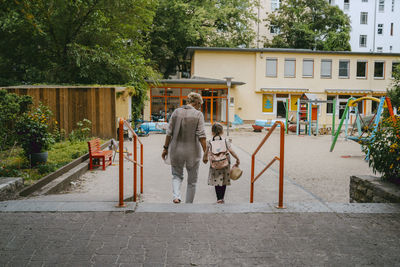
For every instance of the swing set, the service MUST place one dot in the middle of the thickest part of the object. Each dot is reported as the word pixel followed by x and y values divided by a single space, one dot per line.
pixel 363 126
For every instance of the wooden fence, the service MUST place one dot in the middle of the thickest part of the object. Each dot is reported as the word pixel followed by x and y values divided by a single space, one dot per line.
pixel 72 104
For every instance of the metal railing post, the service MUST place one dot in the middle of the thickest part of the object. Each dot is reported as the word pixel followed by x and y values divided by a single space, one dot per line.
pixel 141 168
pixel 134 167
pixel 281 168
pixel 121 164
pixel 281 163
pixel 252 179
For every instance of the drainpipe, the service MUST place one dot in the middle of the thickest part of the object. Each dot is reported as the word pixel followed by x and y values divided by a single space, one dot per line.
pixel 373 45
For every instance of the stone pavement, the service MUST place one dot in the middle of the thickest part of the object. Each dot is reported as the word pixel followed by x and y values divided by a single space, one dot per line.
pixel 185 239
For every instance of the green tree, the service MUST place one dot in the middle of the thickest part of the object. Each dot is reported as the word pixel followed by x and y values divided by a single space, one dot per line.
pixel 394 91
pixel 182 23
pixel 68 41
pixel 309 24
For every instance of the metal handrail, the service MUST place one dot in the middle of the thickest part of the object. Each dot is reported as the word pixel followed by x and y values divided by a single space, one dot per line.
pixel 281 160
pixel 135 163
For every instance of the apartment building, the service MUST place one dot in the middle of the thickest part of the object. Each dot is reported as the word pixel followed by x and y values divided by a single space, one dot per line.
pixel 375 24
pixel 269 76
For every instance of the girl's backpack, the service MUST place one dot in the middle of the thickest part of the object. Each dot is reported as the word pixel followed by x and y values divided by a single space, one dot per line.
pixel 218 153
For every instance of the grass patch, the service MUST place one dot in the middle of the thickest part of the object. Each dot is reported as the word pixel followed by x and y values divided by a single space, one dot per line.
pixel 14 164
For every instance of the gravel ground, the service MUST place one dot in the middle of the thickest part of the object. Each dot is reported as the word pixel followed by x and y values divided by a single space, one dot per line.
pixel 308 161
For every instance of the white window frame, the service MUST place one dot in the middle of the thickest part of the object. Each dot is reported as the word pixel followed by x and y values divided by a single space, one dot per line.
pixel 381 5
pixel 366 69
pixel 348 69
pixel 312 71
pixel 379 29
pixel 383 71
pixel 346 5
pixel 276 67
pixel 363 37
pixel 365 16
pixel 326 107
pixel 330 68
pixel 284 72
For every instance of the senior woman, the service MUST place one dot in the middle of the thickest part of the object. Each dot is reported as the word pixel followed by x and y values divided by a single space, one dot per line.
pixel 183 143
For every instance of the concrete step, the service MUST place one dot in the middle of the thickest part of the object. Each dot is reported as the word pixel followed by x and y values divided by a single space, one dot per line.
pixel 33 205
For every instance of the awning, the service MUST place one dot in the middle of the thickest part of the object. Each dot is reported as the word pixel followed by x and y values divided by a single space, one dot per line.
pixel 311 96
pixel 348 91
pixel 282 90
pixel 377 92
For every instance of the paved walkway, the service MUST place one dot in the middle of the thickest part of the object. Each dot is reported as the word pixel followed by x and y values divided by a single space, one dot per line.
pixel 83 227
pixel 312 173
pixel 170 239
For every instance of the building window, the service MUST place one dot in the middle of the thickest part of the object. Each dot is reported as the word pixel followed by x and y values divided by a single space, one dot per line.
pixel 381 5
pixel 379 49
pixel 274 5
pixel 271 67
pixel 364 1
pixel 380 28
pixel 329 105
pixel 395 65
pixel 331 2
pixel 290 67
pixel 364 18
pixel 392 5
pixel 274 29
pixel 363 41
pixel 361 69
pixel 379 69
pixel 308 67
pixel 344 66
pixel 346 5
pixel 268 103
pixel 391 29
pixel 326 68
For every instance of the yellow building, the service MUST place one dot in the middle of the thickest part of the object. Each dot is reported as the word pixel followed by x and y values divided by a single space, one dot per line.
pixel 270 76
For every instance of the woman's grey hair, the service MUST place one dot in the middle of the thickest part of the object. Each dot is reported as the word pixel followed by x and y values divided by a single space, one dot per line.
pixel 194 98
pixel 217 128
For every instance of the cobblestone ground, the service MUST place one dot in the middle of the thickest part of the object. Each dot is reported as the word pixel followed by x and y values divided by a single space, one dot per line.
pixel 154 239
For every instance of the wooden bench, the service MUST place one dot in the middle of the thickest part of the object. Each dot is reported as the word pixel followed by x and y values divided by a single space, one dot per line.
pixel 95 152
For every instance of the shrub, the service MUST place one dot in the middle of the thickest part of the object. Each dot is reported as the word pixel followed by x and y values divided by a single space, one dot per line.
pixel 384 149
pixel 83 131
pixel 33 129
pixel 12 106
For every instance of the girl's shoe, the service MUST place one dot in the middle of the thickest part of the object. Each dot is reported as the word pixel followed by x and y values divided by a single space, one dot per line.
pixel 176 201
pixel 221 201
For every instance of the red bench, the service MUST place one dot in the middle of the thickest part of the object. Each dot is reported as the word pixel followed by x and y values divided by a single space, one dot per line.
pixel 95 152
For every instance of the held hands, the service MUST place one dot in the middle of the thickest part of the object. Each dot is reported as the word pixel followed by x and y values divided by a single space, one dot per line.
pixel 205 158
pixel 164 154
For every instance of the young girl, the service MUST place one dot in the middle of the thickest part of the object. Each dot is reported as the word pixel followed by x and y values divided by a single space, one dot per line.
pixel 219 177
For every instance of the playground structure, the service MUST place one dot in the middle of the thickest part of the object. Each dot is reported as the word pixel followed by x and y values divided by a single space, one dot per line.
pixel 307 114
pixel 362 126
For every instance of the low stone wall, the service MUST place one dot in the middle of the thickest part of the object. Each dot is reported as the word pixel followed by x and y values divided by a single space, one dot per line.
pixel 9 187
pixel 371 189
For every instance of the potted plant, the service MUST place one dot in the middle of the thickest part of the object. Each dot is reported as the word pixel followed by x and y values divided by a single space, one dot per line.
pixel 34 134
